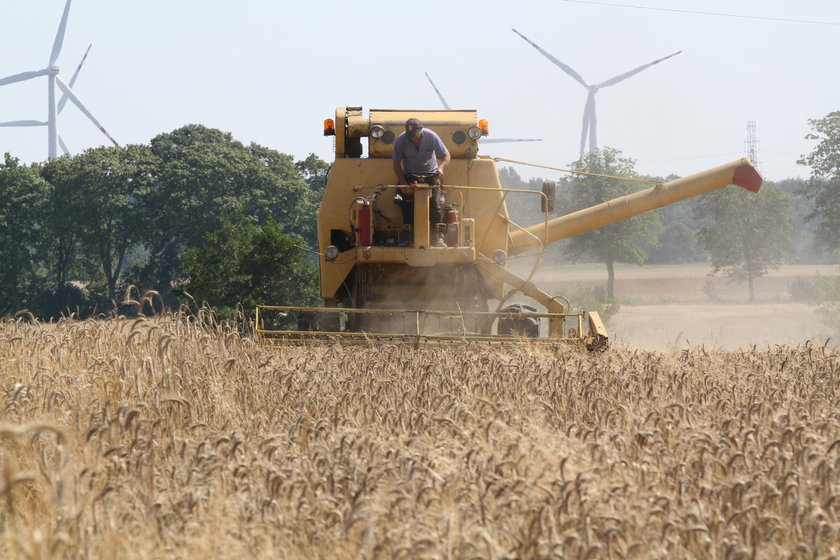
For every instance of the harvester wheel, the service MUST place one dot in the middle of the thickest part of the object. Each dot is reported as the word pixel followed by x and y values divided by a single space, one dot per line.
pixel 518 326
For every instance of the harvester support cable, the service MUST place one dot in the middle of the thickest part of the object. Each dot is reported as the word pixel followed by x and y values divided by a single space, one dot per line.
pixel 633 179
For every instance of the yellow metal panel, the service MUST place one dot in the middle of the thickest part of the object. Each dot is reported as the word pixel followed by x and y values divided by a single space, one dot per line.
pixel 410 256
pixel 422 231
pixel 340 121
pixel 449 125
pixel 351 178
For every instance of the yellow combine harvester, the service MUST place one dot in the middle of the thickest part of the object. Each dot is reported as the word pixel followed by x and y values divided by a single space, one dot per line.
pixel 382 278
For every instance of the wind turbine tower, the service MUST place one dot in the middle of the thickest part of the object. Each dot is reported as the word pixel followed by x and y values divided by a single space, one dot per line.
pixel 54 83
pixel 590 119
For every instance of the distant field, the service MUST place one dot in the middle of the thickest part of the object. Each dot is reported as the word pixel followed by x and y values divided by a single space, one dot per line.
pixel 661 284
pixel 666 306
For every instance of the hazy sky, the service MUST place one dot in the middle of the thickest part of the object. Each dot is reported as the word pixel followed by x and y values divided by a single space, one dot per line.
pixel 271 72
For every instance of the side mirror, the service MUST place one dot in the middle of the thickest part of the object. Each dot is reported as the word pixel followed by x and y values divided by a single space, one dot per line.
pixel 547 203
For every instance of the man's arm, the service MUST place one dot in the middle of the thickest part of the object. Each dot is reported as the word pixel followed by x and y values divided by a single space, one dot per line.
pixel 398 171
pixel 443 163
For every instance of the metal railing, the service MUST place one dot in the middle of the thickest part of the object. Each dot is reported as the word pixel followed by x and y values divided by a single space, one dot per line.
pixel 338 323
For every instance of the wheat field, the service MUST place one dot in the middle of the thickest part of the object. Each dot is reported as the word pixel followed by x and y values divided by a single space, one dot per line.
pixel 172 437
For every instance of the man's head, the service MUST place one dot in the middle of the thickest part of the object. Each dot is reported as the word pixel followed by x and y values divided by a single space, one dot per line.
pixel 413 127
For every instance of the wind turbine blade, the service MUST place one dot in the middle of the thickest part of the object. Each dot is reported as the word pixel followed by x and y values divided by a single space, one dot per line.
pixel 79 67
pixel 63 146
pixel 63 101
pixel 24 123
pixel 59 37
pixel 565 67
pixel 76 101
pixel 437 91
pixel 635 71
pixel 23 76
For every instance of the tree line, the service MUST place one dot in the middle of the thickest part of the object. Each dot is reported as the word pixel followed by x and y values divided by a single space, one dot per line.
pixel 197 216
pixel 77 232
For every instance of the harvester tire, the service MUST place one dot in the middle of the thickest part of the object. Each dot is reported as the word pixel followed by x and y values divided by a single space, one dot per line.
pixel 519 326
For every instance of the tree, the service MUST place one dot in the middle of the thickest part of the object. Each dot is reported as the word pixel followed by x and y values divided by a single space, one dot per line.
pixel 746 234
pixel 523 208
pixel 204 174
pixel 61 239
pixel 245 264
pixel 677 242
pixel 23 201
pixel 619 242
pixel 113 183
pixel 314 171
pixel 806 250
pixel 823 187
pixel 287 196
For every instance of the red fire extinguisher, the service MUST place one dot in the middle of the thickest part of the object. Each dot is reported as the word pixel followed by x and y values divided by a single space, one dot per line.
pixel 453 216
pixel 360 218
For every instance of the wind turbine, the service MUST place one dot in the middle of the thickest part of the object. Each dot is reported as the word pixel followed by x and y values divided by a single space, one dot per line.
pixel 54 81
pixel 483 140
pixel 589 117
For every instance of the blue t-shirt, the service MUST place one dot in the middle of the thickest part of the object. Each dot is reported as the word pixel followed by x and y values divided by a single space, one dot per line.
pixel 423 160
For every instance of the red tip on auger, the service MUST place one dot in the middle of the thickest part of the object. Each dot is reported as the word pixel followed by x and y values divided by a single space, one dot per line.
pixel 748 177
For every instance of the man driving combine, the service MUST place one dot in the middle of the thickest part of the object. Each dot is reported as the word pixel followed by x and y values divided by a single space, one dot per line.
pixel 420 157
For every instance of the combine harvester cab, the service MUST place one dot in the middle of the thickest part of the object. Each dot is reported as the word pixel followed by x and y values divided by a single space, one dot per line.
pixel 382 278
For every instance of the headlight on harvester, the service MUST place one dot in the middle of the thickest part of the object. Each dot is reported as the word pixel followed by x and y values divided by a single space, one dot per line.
pixel 377 131
pixel 474 132
pixel 499 257
pixel 331 253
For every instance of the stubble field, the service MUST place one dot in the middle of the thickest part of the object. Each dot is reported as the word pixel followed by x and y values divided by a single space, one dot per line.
pixel 168 438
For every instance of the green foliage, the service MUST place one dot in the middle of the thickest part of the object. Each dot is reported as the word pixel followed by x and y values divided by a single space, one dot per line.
pixel 61 246
pixel 314 171
pixel 523 208
pixel 677 242
pixel 74 231
pixel 96 215
pixel 111 184
pixel 619 242
pixel 746 234
pixel 205 174
pixel 823 187
pixel 805 248
pixel 73 299
pixel 23 200
pixel 243 264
